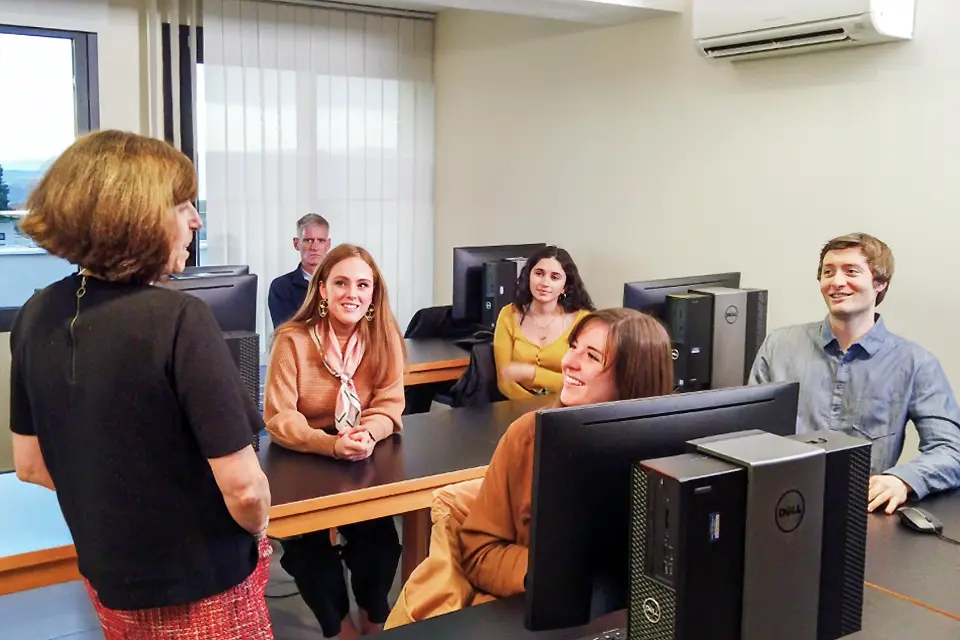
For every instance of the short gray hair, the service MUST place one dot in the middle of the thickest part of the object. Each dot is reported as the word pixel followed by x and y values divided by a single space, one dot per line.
pixel 309 220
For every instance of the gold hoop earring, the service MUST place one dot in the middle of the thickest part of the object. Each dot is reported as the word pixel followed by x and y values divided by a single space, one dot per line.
pixel 323 308
pixel 369 314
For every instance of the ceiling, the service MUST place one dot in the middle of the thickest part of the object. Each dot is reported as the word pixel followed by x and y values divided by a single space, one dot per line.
pixel 587 11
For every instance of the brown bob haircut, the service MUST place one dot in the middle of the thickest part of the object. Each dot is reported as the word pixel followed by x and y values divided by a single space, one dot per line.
pixel 106 204
pixel 879 257
pixel 380 334
pixel 638 349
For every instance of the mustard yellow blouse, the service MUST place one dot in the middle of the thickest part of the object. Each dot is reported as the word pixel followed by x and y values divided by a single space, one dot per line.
pixel 510 345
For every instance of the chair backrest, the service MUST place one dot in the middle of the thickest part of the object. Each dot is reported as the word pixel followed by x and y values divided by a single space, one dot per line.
pixel 428 322
pixel 478 384
pixel 438 322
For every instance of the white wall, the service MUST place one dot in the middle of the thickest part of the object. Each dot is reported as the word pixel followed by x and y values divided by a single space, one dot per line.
pixel 645 161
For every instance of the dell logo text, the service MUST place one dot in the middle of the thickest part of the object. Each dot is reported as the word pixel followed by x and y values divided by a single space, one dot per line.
pixel 651 610
pixel 731 314
pixel 789 511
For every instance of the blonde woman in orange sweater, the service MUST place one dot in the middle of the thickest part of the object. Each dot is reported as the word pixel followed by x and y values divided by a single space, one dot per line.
pixel 335 388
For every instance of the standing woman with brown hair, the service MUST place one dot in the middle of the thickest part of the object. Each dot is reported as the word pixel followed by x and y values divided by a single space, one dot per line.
pixel 335 388
pixel 125 401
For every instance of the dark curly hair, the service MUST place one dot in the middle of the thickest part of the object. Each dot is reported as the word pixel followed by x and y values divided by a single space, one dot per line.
pixel 574 296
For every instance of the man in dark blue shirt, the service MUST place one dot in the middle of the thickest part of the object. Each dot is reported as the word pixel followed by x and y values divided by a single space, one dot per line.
pixel 288 292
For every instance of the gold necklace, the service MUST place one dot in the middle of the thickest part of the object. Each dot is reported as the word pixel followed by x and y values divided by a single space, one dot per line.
pixel 545 328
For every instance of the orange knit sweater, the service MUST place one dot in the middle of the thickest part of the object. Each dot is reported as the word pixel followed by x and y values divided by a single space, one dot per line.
pixel 495 537
pixel 301 395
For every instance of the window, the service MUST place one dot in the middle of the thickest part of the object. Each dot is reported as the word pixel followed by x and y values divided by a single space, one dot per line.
pixel 51 97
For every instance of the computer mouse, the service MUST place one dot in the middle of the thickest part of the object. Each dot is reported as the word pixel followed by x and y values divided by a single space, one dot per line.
pixel 919 520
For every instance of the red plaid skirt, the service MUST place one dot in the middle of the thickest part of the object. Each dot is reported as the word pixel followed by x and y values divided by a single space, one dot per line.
pixel 239 613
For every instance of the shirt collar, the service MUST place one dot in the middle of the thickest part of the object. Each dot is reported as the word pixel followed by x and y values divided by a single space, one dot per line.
pixel 299 277
pixel 871 342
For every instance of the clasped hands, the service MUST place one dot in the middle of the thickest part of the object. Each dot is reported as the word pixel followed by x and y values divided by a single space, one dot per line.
pixel 354 444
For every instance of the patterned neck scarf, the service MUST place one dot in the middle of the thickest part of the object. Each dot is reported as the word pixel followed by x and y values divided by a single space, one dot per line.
pixel 342 366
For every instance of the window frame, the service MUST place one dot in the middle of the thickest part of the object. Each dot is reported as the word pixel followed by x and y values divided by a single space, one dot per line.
pixel 187 105
pixel 85 63
pixel 86 96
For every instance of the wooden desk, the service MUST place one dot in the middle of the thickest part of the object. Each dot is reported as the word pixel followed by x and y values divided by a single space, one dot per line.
pixel 918 597
pixel 884 618
pixel 310 493
pixel 434 360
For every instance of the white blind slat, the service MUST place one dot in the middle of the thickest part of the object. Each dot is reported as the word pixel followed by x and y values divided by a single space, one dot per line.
pixel 319 110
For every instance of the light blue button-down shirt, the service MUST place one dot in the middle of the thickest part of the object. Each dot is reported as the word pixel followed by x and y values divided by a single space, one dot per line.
pixel 882 382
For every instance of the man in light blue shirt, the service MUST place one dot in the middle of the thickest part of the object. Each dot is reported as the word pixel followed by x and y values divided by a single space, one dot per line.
pixel 857 377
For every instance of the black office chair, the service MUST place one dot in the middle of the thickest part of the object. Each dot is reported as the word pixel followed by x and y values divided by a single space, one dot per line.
pixel 438 322
pixel 478 384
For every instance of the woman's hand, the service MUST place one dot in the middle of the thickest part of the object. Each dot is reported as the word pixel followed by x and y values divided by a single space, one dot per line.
pixel 354 445
pixel 361 434
pixel 518 372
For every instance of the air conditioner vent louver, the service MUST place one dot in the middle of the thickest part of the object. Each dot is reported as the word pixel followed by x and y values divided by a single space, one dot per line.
pixel 734 30
pixel 814 38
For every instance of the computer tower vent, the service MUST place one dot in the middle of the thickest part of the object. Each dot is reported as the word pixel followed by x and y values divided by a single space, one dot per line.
pixel 244 348
pixel 652 606
pixel 844 550
pixel 855 542
pixel 756 328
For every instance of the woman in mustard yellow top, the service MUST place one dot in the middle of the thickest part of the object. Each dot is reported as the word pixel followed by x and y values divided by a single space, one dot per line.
pixel 531 334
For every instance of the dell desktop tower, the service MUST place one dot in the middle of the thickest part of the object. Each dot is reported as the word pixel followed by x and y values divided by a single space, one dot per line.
pixel 689 320
pixel 783 533
pixel 739 326
pixel 687 521
pixel 499 287
pixel 845 531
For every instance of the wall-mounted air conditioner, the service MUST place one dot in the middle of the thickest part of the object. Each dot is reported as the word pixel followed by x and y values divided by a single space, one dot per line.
pixel 743 29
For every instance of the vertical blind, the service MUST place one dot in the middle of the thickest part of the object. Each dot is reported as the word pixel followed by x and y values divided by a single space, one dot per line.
pixel 316 110
pixel 154 15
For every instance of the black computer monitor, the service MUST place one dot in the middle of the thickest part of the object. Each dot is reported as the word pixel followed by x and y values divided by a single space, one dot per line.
pixel 233 299
pixel 468 275
pixel 651 296
pixel 214 270
pixel 578 563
